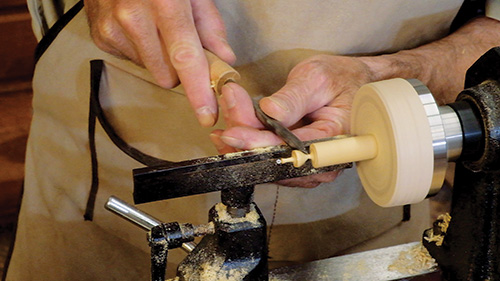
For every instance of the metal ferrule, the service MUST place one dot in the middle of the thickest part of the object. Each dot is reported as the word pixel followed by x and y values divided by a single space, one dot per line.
pixel 453 132
pixel 446 140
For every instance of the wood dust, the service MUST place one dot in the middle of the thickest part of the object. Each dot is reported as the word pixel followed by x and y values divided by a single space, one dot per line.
pixel 413 261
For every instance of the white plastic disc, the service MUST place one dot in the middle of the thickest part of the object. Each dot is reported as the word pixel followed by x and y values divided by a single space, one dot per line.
pixel 402 171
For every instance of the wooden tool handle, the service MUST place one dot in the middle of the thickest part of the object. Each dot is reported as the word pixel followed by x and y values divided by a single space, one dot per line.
pixel 220 72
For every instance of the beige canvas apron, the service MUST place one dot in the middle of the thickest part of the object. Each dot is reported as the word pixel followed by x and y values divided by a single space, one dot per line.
pixel 53 240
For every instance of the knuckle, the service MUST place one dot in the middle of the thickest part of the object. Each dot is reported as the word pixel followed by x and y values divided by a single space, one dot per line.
pixel 320 70
pixel 327 128
pixel 106 39
pixel 105 31
pixel 184 55
pixel 181 20
pixel 330 127
pixel 127 17
pixel 102 41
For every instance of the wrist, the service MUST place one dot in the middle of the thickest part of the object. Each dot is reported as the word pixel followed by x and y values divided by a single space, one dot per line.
pixel 402 64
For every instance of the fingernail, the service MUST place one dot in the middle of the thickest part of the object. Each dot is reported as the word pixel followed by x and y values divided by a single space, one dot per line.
pixel 228 96
pixel 206 117
pixel 236 143
pixel 218 143
pixel 279 103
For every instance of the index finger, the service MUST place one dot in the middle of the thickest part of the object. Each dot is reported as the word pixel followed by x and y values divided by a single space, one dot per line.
pixel 178 33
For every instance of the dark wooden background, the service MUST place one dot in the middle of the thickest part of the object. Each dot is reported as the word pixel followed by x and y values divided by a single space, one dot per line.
pixel 17 44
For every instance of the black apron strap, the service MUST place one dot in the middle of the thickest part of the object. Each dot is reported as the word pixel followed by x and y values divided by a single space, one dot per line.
pixel 96 113
pixel 51 35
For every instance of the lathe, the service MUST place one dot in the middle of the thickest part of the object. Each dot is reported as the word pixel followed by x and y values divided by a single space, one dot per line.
pixel 401 142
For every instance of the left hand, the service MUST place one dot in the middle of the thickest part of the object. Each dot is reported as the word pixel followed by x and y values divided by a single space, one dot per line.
pixel 167 38
pixel 315 101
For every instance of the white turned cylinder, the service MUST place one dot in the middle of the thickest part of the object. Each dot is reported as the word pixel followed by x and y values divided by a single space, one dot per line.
pixel 352 149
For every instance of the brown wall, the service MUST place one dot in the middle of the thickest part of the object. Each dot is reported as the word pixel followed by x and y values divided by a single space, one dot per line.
pixel 17 45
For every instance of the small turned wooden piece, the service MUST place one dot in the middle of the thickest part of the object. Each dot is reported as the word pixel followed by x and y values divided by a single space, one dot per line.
pixel 298 158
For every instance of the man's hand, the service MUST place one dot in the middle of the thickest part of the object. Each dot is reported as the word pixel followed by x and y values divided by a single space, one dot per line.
pixel 166 37
pixel 317 97
pixel 316 100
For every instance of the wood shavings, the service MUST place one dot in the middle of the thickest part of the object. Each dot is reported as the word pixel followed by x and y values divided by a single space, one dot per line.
pixel 437 233
pixel 211 272
pixel 204 229
pixel 259 150
pixel 415 260
pixel 215 269
pixel 224 216
pixel 161 256
pixel 444 221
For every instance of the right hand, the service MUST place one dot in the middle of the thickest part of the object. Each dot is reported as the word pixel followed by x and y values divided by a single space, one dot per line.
pixel 316 101
pixel 167 38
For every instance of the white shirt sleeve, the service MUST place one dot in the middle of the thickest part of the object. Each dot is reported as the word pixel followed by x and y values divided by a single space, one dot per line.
pixel 44 13
pixel 493 9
